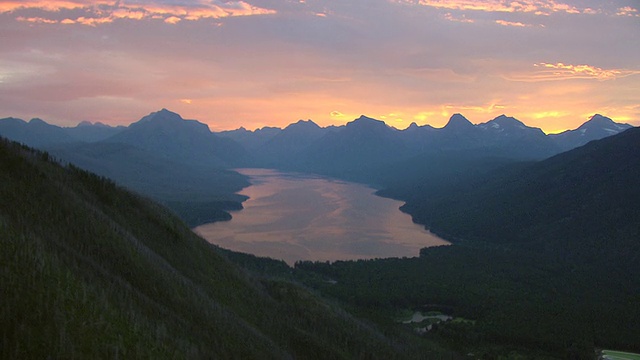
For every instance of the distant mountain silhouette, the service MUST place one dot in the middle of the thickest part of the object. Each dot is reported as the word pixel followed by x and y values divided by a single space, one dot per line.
pixel 508 135
pixel 284 148
pixel 163 133
pixel 366 148
pixel 419 138
pixel 166 134
pixel 251 140
pixel 596 128
pixel 36 132
pixel 306 146
pixel 360 144
pixel 148 154
pixel 458 123
pixel 93 132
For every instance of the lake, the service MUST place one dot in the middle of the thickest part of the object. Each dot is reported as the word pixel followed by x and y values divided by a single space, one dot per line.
pixel 292 216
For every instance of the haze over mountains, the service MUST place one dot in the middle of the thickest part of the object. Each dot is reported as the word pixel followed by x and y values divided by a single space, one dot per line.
pixel 166 133
pixel 374 139
pixel 305 145
pixel 184 165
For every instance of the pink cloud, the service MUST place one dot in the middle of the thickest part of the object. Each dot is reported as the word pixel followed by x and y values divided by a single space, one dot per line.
pixel 37 20
pixel 628 11
pixel 172 20
pixel 561 71
pixel 104 11
pixel 511 23
pixel 461 19
pixel 53 5
pixel 537 7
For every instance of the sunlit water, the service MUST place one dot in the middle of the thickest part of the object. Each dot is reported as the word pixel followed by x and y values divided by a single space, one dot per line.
pixel 292 217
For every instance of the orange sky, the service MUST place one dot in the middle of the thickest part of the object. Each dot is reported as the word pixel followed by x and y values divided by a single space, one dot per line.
pixel 551 63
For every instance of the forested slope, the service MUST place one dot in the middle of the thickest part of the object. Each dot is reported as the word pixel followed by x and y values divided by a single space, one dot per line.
pixel 545 261
pixel 580 205
pixel 92 271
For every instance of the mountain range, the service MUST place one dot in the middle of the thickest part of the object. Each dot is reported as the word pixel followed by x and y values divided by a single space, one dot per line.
pixel 38 133
pixel 184 165
pixel 167 134
pixel 502 135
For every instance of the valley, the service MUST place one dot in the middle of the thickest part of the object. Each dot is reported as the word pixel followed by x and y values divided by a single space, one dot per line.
pixel 544 229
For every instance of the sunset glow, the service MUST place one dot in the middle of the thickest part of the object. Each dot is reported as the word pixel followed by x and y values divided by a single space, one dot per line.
pixel 549 63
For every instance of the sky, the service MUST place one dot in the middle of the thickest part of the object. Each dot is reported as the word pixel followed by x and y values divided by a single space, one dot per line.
pixel 550 63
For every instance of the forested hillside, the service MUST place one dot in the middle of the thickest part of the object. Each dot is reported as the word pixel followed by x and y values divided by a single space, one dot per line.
pixel 581 205
pixel 92 271
pixel 545 261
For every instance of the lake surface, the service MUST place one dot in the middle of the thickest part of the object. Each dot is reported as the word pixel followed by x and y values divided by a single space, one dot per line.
pixel 292 216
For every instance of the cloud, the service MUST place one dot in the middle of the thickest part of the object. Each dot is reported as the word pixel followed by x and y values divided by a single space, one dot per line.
pixel 483 109
pixel 628 11
pixel 523 6
pixel 462 18
pixel 37 20
pixel 511 23
pixel 535 7
pixel 560 71
pixel 98 12
pixel 53 5
pixel 550 114
pixel 172 20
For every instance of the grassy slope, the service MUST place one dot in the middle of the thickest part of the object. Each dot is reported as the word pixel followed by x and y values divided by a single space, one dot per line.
pixel 92 271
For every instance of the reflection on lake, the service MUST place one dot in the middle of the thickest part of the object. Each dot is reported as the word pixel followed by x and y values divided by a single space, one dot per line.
pixel 293 216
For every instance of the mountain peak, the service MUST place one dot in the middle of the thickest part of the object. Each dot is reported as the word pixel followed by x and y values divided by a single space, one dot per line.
pixel 511 128
pixel 413 126
pixel 598 116
pixel 599 123
pixel 168 124
pixel 458 122
pixel 600 120
pixel 366 122
pixel 13 120
pixel 303 124
pixel 84 123
pixel 163 115
pixel 504 120
pixel 37 121
pixel 597 127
